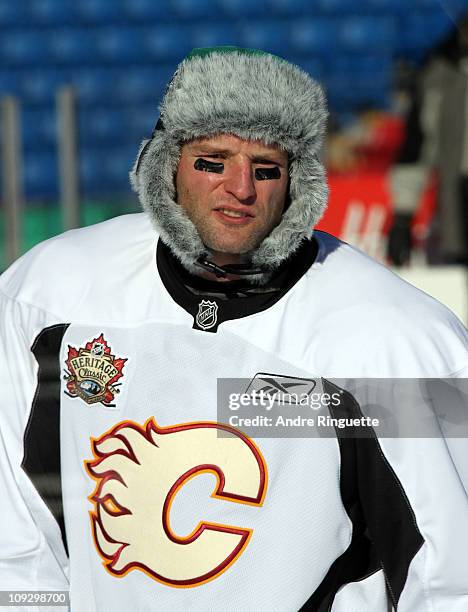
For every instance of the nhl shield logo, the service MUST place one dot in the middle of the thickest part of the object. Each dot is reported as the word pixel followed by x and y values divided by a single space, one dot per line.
pixel 93 372
pixel 207 314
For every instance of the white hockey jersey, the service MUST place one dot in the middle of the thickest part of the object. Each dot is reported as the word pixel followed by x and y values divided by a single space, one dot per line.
pixel 108 370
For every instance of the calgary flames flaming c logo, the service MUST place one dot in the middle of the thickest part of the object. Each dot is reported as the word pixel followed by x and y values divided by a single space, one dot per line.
pixel 139 470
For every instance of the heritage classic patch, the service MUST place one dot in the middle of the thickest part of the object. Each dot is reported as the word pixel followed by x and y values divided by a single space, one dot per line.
pixel 93 372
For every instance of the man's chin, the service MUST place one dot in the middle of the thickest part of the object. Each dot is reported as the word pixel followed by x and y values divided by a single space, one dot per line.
pixel 231 243
pixel 223 249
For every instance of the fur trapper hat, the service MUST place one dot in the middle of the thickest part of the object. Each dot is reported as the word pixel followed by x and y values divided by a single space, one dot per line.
pixel 255 96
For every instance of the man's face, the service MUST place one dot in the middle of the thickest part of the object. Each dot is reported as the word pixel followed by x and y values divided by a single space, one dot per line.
pixel 235 196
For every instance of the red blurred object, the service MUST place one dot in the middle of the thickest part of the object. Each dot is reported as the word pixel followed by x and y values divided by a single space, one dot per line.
pixel 352 199
pixel 370 144
pixel 384 136
pixel 360 210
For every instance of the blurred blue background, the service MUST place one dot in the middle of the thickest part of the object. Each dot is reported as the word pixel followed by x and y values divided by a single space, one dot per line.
pixel 120 54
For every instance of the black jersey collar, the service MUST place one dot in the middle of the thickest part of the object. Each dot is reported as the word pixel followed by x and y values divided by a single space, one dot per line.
pixel 212 302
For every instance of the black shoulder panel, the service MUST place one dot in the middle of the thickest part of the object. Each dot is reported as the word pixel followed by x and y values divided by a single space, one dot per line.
pixel 385 533
pixel 41 460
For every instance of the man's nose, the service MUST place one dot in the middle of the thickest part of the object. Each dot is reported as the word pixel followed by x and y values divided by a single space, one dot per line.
pixel 240 182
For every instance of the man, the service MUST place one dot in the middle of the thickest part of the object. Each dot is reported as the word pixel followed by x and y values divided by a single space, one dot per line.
pixel 168 502
pixel 436 140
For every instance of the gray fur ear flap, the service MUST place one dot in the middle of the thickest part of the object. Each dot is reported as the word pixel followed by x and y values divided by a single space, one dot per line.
pixel 156 190
pixel 133 174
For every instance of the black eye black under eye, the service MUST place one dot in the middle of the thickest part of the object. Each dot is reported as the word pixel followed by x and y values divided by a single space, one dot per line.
pixel 267 174
pixel 204 165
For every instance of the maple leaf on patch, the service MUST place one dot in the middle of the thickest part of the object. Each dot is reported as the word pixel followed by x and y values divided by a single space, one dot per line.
pixel 119 364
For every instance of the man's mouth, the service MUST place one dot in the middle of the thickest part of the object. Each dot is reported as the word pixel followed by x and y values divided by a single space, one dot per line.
pixel 233 213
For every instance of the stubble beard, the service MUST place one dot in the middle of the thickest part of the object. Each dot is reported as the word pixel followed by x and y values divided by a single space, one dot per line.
pixel 212 234
pixel 222 242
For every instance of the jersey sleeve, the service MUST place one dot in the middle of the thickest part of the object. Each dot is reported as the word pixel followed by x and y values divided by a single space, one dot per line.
pixel 406 497
pixel 434 474
pixel 437 578
pixel 32 555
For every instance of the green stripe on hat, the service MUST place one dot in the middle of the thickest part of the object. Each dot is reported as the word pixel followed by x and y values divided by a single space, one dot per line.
pixel 204 51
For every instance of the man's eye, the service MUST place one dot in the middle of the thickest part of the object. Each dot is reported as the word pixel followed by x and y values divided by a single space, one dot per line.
pixel 267 174
pixel 206 165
